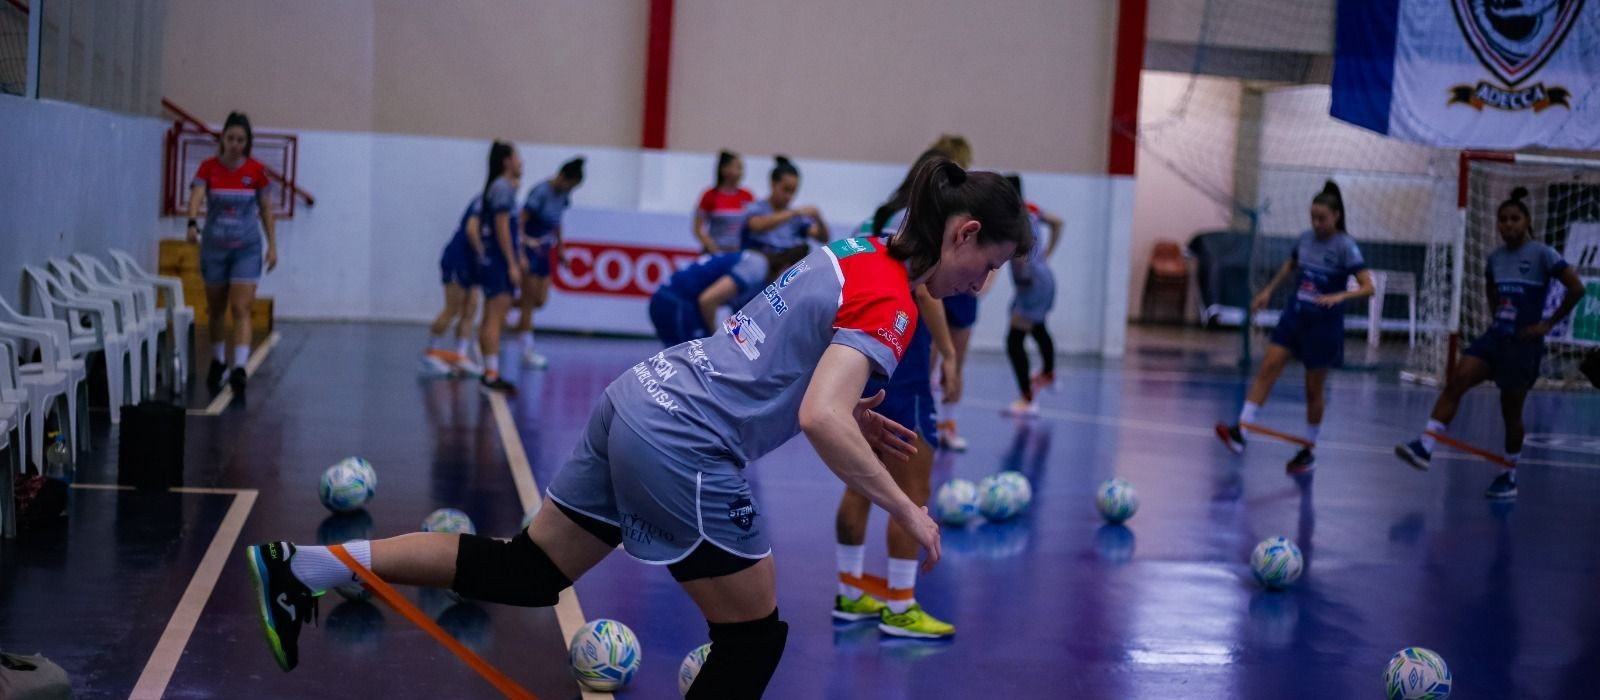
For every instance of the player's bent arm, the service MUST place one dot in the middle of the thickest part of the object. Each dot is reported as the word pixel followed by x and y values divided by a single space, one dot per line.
pixel 827 419
pixel 720 292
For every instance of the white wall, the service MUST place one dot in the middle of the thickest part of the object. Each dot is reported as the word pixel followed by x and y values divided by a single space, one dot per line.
pixel 386 204
pixel 75 179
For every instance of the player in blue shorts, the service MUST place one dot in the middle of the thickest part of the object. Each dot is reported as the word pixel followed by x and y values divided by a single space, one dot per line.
pixel 458 269
pixel 1311 328
pixel 500 268
pixel 541 242
pixel 1035 295
pixel 686 306
pixel 660 469
pixel 908 400
pixel 1519 274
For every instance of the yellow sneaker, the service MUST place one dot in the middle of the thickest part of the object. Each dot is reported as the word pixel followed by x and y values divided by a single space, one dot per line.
pixel 864 608
pixel 915 623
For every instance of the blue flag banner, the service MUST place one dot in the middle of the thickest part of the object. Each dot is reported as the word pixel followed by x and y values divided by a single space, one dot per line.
pixel 1493 74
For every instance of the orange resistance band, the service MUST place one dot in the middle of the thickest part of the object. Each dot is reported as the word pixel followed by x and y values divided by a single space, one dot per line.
pixel 389 595
pixel 1469 449
pixel 1269 432
pixel 877 587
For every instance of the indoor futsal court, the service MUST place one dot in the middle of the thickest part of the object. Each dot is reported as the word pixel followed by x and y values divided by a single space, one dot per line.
pixel 1226 348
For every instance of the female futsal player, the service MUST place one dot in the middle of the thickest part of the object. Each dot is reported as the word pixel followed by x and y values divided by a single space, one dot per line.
pixel 541 241
pixel 1518 276
pixel 719 217
pixel 458 268
pixel 1035 295
pixel 686 306
pixel 771 225
pixel 1311 328
pixel 661 467
pixel 500 268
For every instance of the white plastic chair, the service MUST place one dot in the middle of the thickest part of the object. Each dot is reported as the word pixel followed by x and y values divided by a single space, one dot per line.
pixel 143 334
pixel 13 407
pixel 180 316
pixel 49 382
pixel 51 299
pixel 144 294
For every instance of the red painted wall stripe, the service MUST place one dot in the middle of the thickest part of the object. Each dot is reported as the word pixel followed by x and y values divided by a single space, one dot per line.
pixel 657 75
pixel 1131 15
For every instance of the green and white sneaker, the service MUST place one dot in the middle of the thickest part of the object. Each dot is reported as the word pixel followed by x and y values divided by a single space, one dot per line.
pixel 914 623
pixel 283 602
pixel 865 607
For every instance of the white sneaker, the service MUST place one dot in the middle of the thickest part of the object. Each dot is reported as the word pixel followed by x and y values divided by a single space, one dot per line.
pixel 1022 408
pixel 468 367
pixel 534 360
pixel 435 367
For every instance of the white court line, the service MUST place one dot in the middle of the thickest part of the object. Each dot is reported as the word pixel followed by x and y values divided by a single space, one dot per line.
pixel 1177 429
pixel 225 397
pixel 569 614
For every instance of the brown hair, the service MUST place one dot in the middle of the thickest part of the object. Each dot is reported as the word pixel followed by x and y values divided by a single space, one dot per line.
pixel 940 189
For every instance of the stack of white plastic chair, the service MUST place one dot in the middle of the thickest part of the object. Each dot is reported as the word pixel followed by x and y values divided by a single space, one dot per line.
pixel 142 330
pixel 144 294
pixel 55 380
pixel 13 407
pixel 49 298
pixel 180 316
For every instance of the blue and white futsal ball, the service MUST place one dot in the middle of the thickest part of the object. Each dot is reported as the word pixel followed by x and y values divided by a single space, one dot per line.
pixel 1276 562
pixel 956 503
pixel 604 655
pixel 1004 496
pixel 1117 500
pixel 1416 673
pixel 348 485
pixel 449 520
pixel 690 668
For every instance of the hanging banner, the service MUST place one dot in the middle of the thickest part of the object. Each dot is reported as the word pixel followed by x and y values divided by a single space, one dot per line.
pixel 1490 74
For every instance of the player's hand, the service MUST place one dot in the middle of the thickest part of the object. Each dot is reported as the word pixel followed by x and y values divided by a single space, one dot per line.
pixel 809 212
pixel 888 438
pixel 193 234
pixel 561 256
pixel 515 272
pixel 1328 301
pixel 272 258
pixel 925 531
pixel 1536 330
pixel 949 379
pixel 1260 302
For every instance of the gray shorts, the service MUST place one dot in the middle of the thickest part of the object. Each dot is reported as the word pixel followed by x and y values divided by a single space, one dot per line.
pixel 1034 301
pixel 220 266
pixel 664 504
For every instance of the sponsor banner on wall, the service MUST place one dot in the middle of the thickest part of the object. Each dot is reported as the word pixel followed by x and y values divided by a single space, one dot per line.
pixel 1471 73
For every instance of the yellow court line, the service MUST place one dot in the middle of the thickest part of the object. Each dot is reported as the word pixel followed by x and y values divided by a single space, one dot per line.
pixel 569 614
pixel 225 397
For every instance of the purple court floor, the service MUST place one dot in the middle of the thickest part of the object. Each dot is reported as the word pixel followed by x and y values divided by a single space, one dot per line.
pixel 1053 605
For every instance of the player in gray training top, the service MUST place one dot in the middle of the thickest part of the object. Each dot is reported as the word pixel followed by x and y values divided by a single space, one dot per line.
pixel 1519 274
pixel 660 469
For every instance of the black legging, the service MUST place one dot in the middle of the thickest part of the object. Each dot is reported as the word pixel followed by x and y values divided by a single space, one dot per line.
pixel 1019 355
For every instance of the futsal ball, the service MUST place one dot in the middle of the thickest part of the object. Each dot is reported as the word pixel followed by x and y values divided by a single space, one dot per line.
pixel 449 520
pixel 348 485
pixel 957 502
pixel 1004 496
pixel 1416 673
pixel 1277 562
pixel 690 668
pixel 1117 500
pixel 604 655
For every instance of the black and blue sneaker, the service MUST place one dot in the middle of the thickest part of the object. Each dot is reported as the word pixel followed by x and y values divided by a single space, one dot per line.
pixel 1414 454
pixel 1302 462
pixel 282 600
pixel 1504 487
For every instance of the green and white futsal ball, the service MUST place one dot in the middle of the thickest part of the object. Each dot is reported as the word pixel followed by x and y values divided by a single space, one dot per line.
pixel 1116 500
pixel 1276 562
pixel 449 520
pixel 1416 673
pixel 1004 496
pixel 690 668
pixel 604 655
pixel 348 485
pixel 956 503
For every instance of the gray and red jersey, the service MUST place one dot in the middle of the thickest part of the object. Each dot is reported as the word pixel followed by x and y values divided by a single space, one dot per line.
pixel 234 198
pixel 736 395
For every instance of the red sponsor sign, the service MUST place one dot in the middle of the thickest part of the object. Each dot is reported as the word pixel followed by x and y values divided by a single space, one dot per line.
pixel 619 270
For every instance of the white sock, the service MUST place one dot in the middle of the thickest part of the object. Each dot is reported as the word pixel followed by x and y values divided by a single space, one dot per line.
pixel 491 364
pixel 319 570
pixel 241 355
pixel 527 339
pixel 219 352
pixel 1312 431
pixel 463 346
pixel 1247 415
pixel 902 577
pixel 851 558
pixel 1427 440
pixel 437 343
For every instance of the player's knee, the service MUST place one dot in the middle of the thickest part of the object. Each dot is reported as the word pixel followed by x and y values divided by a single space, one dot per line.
pixel 515 572
pixel 743 657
